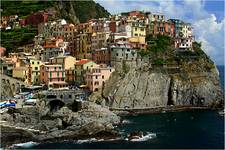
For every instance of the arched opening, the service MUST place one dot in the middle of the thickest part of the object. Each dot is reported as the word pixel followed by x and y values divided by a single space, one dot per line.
pixel 56 105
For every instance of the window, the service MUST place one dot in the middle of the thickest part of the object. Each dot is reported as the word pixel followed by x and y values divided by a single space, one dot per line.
pixel 102 77
pixel 38 62
pixel 110 70
pixel 32 62
pixel 70 96
pixel 117 54
pixel 36 73
pixel 36 68
pixel 61 96
pixel 96 77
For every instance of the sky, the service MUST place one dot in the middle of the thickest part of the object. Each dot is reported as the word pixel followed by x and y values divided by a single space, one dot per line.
pixel 206 16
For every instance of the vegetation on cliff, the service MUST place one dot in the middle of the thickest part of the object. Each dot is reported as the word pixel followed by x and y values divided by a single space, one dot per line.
pixel 72 11
pixel 83 10
pixel 18 37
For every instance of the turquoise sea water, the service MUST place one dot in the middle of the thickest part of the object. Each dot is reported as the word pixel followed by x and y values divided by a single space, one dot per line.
pixel 196 129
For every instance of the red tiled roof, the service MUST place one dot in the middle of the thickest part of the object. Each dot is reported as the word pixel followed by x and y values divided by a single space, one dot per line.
pixel 83 61
pixel 50 46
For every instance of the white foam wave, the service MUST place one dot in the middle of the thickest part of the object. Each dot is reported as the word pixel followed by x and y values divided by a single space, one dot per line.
pixel 126 122
pixel 86 141
pixel 25 145
pixel 145 137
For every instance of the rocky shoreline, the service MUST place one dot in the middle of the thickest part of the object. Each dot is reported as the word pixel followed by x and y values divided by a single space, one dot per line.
pixel 39 124
pixel 156 110
pixel 99 123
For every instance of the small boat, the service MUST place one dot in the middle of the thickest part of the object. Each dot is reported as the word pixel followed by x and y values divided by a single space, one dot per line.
pixel 222 112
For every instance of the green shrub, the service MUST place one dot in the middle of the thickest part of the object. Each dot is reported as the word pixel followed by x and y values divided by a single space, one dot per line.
pixel 159 61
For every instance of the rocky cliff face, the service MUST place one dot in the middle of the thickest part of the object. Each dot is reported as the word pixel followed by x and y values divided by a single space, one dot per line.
pixel 193 82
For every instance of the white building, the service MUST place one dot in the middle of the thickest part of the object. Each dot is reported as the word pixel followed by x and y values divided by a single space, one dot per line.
pixel 184 43
pixel 187 30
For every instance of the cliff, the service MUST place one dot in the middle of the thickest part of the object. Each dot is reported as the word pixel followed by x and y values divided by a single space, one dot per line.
pixel 183 79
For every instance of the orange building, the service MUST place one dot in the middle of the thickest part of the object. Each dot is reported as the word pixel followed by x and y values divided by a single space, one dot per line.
pixel 101 56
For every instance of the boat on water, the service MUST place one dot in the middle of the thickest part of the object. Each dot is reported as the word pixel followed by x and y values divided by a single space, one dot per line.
pixel 7 104
pixel 222 112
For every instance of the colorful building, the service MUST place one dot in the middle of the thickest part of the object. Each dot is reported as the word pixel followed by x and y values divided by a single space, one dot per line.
pixel 2 51
pixel 52 51
pixel 122 51
pixel 178 26
pixel 101 56
pixel 97 76
pixel 53 75
pixel 184 43
pixel 22 73
pixel 35 69
pixel 163 28
pixel 98 40
pixel 138 29
pixel 82 45
pixel 67 62
pixel 80 68
pixel 70 75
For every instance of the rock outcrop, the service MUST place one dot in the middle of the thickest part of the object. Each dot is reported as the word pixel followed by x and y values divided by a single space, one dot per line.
pixel 62 124
pixel 193 82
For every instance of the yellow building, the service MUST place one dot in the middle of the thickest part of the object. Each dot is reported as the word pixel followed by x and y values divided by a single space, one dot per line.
pixel 22 73
pixel 80 68
pixel 140 40
pixel 35 71
pixel 66 61
pixel 83 45
pixel 138 29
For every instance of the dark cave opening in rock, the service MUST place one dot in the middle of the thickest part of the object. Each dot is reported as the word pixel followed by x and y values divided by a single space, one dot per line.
pixel 170 96
pixel 75 106
pixel 56 105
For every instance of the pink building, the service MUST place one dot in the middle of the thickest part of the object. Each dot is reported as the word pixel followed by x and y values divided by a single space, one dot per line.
pixel 2 51
pixel 97 76
pixel 52 75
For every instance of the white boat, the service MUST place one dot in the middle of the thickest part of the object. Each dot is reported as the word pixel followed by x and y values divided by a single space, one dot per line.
pixel 222 112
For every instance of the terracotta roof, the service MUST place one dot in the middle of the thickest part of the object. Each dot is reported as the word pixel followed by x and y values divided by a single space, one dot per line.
pixel 51 46
pixel 83 61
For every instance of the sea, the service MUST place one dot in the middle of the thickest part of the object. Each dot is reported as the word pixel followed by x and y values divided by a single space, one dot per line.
pixel 195 129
